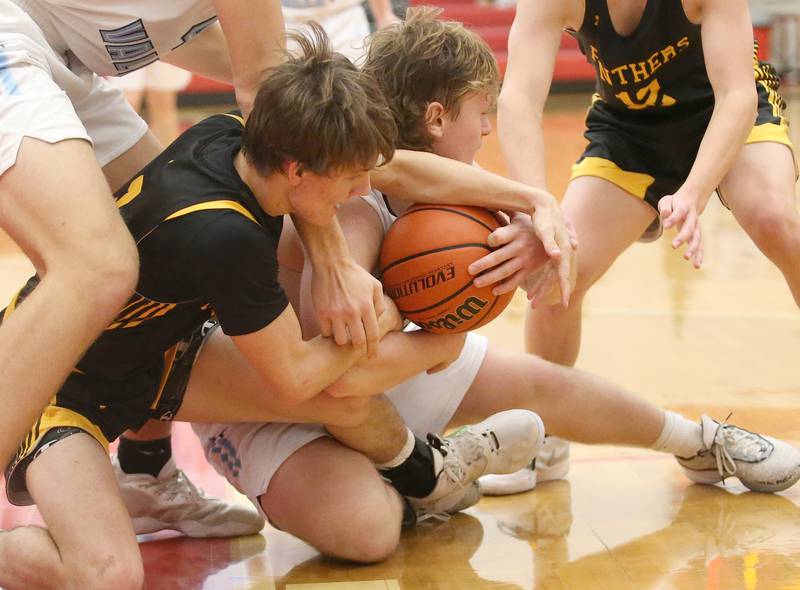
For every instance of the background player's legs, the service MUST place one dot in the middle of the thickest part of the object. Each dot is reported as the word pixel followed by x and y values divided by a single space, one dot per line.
pixel 333 498
pixel 760 190
pixel 89 542
pixel 607 220
pixel 64 219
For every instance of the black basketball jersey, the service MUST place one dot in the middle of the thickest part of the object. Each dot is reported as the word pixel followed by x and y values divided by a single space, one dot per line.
pixel 205 247
pixel 658 68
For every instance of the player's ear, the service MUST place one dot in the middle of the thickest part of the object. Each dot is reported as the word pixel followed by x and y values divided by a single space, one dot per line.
pixel 434 119
pixel 294 171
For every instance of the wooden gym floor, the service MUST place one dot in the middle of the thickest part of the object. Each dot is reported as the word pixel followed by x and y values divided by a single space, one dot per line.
pixel 724 339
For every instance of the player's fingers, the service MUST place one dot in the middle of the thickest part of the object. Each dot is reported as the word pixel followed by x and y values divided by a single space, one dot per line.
pixel 371 333
pixel 498 273
pixel 510 284
pixel 697 248
pixel 573 233
pixel 686 231
pixel 325 326
pixel 491 260
pixel 501 236
pixel 340 333
pixel 692 244
pixel 563 280
pixel 665 208
pixel 700 256
pixel 543 226
pixel 377 299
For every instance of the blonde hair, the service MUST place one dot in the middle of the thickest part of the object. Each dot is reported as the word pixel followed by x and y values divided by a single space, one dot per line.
pixel 318 109
pixel 423 60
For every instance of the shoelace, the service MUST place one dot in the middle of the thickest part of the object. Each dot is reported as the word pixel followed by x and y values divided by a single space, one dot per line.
pixel 177 485
pixel 747 444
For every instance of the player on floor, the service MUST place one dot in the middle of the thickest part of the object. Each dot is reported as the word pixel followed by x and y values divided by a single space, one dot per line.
pixel 455 81
pixel 679 92
pixel 60 119
pixel 56 107
pixel 206 216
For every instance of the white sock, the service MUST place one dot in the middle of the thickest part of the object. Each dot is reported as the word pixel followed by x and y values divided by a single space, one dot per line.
pixel 680 436
pixel 404 453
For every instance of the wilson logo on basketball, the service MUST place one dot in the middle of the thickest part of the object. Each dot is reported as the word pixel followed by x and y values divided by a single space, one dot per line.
pixel 422 282
pixel 463 313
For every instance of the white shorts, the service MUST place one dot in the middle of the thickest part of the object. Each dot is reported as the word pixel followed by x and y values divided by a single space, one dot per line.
pixel 158 75
pixel 249 454
pixel 346 29
pixel 42 98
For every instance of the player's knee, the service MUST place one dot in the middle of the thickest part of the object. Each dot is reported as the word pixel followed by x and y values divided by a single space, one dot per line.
pixel 109 570
pixel 373 533
pixel 775 230
pixel 110 276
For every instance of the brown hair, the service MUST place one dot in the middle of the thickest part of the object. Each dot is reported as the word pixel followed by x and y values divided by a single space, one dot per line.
pixel 426 59
pixel 318 109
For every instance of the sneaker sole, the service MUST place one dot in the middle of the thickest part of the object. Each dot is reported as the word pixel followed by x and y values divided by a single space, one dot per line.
pixel 507 485
pixel 146 525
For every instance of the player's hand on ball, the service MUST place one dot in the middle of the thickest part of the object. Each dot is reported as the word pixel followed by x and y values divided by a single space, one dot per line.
pixel 349 301
pixel 544 285
pixel 518 252
pixel 681 211
pixel 559 240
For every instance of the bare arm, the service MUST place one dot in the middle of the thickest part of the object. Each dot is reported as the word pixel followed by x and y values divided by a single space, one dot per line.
pixel 294 369
pixel 536 31
pixel 382 13
pixel 206 55
pixel 254 32
pixel 727 36
pixel 399 356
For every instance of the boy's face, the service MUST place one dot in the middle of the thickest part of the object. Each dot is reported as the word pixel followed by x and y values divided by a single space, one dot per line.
pixel 317 195
pixel 462 136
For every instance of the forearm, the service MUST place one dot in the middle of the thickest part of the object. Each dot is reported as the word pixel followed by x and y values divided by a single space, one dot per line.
pixel 418 350
pixel 422 177
pixel 523 145
pixel 256 41
pixel 382 11
pixel 320 365
pixel 206 55
pixel 324 245
pixel 731 123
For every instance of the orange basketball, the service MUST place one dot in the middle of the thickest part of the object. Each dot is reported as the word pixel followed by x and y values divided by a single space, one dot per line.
pixel 424 261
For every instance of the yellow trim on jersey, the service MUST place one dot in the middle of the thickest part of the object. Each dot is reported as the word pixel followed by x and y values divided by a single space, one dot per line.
pixel 237 117
pixel 635 183
pixel 169 359
pixel 134 190
pixel 12 305
pixel 53 417
pixel 223 204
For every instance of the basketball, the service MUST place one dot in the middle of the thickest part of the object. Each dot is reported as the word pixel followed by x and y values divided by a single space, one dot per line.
pixel 424 261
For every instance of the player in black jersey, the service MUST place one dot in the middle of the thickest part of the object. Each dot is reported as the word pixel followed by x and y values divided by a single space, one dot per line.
pixel 207 215
pixel 681 109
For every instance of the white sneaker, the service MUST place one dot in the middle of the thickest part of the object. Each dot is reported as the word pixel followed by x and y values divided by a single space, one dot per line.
pixel 761 463
pixel 552 462
pixel 502 443
pixel 172 501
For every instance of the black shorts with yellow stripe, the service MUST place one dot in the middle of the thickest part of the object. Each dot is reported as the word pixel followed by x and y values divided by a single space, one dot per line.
pixel 650 156
pixel 104 408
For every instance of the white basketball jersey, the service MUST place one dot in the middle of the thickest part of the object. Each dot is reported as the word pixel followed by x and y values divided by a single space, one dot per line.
pixel 112 37
pixel 377 201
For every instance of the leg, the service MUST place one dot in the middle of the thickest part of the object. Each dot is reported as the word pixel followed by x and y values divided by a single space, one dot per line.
pixel 607 220
pixel 89 542
pixel 332 498
pixel 588 409
pixel 760 190
pixel 573 404
pixel 65 221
